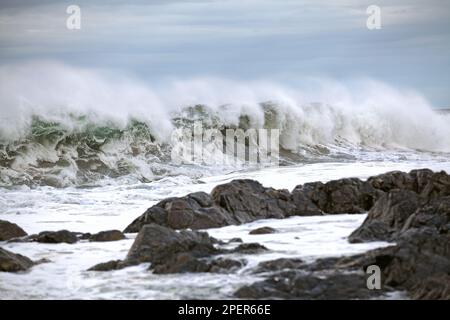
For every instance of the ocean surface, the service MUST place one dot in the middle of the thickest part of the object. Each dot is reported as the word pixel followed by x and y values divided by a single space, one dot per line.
pixel 91 209
pixel 93 154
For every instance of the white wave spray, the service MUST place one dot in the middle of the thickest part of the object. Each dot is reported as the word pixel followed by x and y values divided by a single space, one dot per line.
pixel 364 114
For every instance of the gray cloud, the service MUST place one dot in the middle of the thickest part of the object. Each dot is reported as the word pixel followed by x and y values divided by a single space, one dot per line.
pixel 246 39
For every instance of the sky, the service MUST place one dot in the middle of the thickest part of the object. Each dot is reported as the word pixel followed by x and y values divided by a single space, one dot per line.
pixel 279 40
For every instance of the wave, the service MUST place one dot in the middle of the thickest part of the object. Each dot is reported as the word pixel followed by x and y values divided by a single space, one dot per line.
pixel 62 125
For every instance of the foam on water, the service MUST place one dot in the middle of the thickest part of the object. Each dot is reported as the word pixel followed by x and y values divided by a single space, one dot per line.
pixel 67 126
pixel 115 206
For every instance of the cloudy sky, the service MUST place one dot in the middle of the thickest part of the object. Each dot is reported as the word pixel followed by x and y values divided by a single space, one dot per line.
pixel 281 40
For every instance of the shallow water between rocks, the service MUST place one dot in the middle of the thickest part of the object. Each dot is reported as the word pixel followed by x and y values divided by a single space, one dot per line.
pixel 115 205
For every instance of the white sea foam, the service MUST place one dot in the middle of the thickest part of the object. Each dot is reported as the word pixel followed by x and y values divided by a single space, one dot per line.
pixel 366 112
pixel 115 206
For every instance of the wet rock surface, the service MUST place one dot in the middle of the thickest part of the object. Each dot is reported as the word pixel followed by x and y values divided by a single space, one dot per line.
pixel 171 251
pixel 110 235
pixel 263 230
pixel 414 211
pixel 13 262
pixel 423 201
pixel 10 230
pixel 62 236
pixel 242 201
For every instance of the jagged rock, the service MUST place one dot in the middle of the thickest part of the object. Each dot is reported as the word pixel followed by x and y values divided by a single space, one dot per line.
pixel 263 230
pixel 340 196
pixel 110 235
pixel 250 248
pixel 194 211
pixel 158 245
pixel 13 262
pixel 185 262
pixel 62 236
pixel 424 203
pixel 387 216
pixel 247 200
pixel 111 265
pixel 279 265
pixel 432 288
pixel 10 230
pixel 242 201
pixel 155 243
pixel 298 285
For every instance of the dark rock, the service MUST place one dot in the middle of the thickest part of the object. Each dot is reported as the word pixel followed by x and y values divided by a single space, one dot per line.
pixel 394 180
pixel 222 265
pixel 194 211
pixel 338 196
pixel 300 285
pixel 13 262
pixel 185 262
pixel 110 265
pixel 85 236
pixel 171 251
pixel 156 244
pixel 250 248
pixel 263 230
pixel 388 216
pixel 424 182
pixel 432 288
pixel 180 263
pixel 279 265
pixel 236 202
pixel 62 236
pixel 10 230
pixel 111 235
pixel 243 201
pixel 435 214
pixel 248 200
pixel 232 240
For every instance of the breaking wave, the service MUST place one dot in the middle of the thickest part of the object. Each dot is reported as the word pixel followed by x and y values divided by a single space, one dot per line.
pixel 65 126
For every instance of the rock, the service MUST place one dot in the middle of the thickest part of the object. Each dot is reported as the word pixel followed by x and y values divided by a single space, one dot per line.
pixel 171 251
pixel 298 285
pixel 156 244
pixel 184 263
pixel 338 196
pixel 388 216
pixel 160 245
pixel 62 236
pixel 435 214
pixel 394 180
pixel 110 265
pixel 424 182
pixel 250 248
pixel 400 210
pixel 180 263
pixel 110 235
pixel 10 230
pixel 263 230
pixel 13 262
pixel 432 288
pixel 194 211
pixel 233 240
pixel 248 200
pixel 242 201
pixel 224 265
pixel 279 265
pixel 236 202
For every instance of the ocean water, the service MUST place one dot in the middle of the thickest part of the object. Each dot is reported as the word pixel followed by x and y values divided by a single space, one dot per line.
pixel 94 152
pixel 91 209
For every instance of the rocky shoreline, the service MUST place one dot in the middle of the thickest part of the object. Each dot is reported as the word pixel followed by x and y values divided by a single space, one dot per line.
pixel 412 210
